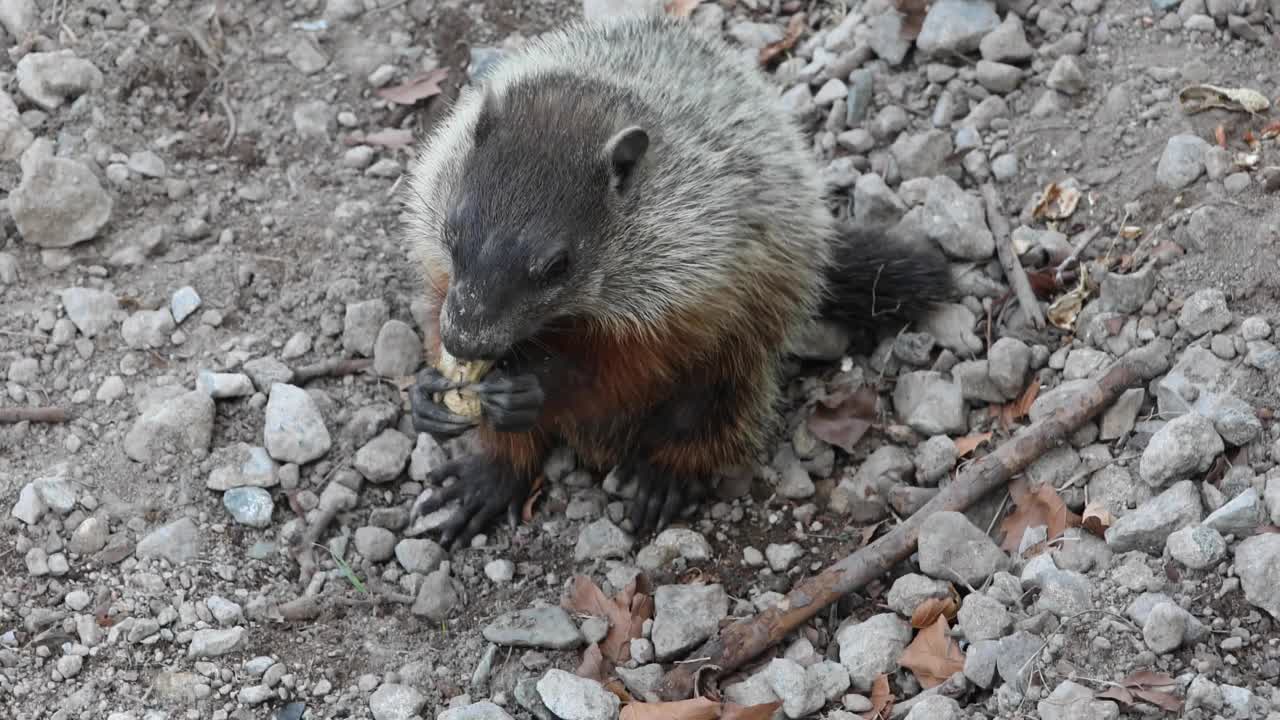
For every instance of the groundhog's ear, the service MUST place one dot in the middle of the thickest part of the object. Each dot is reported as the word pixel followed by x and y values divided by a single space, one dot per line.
pixel 624 151
pixel 490 113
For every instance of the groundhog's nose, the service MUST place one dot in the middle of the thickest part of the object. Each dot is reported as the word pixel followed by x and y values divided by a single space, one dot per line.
pixel 465 331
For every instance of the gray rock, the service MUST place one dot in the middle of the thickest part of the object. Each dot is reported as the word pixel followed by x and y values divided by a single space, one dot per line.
pixel 437 597
pixel 1263 355
pixel 216 642
pixel 787 680
pixel 148 329
pixel 19 17
pixel 251 506
pixel 1064 593
pixel 361 325
pixel 1072 701
pixel 923 154
pixel 420 555
pixel 982 618
pixel 872 647
pixel 1119 419
pixel 1198 547
pixel 500 571
pixel 294 430
pixel 184 302
pixel 930 404
pixel 1204 312
pixel 89 309
pixel 571 697
pixel 15 137
pixel 975 382
pixel 862 496
pixel 875 203
pixel 754 690
pixel 1066 76
pixel 221 386
pixel 602 539
pixel 885 37
pixel 1257 563
pixel 1148 527
pixel 266 372
pixel 550 628
pixel 1255 328
pixel 59 202
pixel 376 544
pixel 1169 627
pixel 1186 445
pixel 1182 162
pixel 980 662
pixel 934 707
pixel 396 702
pixel 933 459
pixel 1240 516
pixel 952 325
pixel 1008 364
pixel 861 89
pixel 1016 659
pixel 383 458
pixel 1204 378
pixel 997 77
pixel 782 556
pixel 956 26
pixel 673 543
pixel 685 616
pixel 754 35
pixel 185 423
pixel 953 549
pixel 910 590
pixel 1007 43
pixel 89 537
pixel 397 351
pixel 1085 363
pixel 313 120
pixel 242 465
pixel 178 542
pixel 642 682
pixel 49 79
pixel 1126 294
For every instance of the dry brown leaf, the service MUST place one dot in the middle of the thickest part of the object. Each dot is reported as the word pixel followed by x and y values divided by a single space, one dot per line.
pixel 843 418
pixel 1063 311
pixel 1012 412
pixel 680 8
pixel 418 87
pixel 388 137
pixel 1272 130
pixel 881 699
pixel 1056 203
pixel 626 613
pixel 913 12
pixel 733 711
pixel 869 532
pixel 1096 519
pixel 928 612
pixel 1034 508
pixel 1139 686
pixel 795 28
pixel 1196 98
pixel 933 656
pixel 969 443
pixel 1044 283
pixel 698 708
pixel 1220 134
pixel 526 512
pixel 593 665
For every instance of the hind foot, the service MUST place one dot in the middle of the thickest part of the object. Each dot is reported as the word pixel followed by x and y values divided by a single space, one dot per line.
pixel 660 498
pixel 485 487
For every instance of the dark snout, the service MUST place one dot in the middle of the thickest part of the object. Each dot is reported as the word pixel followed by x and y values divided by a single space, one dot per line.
pixel 471 331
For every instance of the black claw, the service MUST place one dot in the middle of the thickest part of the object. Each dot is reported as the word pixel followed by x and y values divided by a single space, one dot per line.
pixel 484 489
pixel 511 403
pixel 431 417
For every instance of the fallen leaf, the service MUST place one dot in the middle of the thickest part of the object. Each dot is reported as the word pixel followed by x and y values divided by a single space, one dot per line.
pixel 1130 232
pixel 733 711
pixel 418 87
pixel 1012 412
pixel 1197 98
pixel 933 656
pixel 913 12
pixel 1056 203
pixel 1163 700
pixel 1272 130
pixel 1096 519
pixel 795 28
pixel 843 419
pixel 1063 311
pixel 1220 134
pixel 626 613
pixel 1044 283
pixel 969 443
pixel 881 699
pixel 869 532
pixel 1138 686
pixel 1034 508
pixel 388 137
pixel 593 665
pixel 698 708
pixel 1148 679
pixel 928 612
pixel 680 8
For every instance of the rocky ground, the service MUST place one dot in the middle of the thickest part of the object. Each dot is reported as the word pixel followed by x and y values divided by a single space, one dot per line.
pixel 199 233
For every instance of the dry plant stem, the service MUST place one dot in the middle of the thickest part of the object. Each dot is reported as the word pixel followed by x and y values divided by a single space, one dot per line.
pixel 745 639
pixel 1073 259
pixel 1013 270
pixel 304 552
pixel 12 415
pixel 331 368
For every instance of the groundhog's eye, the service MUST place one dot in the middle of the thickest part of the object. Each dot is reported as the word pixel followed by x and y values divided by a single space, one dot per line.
pixel 554 268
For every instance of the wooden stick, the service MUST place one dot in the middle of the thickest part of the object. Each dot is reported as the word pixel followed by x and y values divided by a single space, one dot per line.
pixel 11 415
pixel 745 639
pixel 1013 270
pixel 331 368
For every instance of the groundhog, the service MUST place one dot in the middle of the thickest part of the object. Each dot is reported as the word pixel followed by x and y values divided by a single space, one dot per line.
pixel 624 219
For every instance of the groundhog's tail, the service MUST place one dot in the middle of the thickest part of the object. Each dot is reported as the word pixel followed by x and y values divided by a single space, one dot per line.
pixel 879 282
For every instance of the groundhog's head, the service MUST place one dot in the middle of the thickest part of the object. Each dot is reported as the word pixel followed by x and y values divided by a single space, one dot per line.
pixel 541 205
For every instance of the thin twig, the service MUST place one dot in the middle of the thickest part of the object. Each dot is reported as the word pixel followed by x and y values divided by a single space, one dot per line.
pixel 11 415
pixel 331 368
pixel 1013 270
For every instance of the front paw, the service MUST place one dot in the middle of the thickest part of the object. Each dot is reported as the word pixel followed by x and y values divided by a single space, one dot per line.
pixel 660 497
pixel 430 416
pixel 485 489
pixel 512 404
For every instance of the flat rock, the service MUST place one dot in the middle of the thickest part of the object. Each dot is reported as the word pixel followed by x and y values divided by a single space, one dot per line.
pixel 549 628
pixel 184 423
pixel 1240 516
pixel 178 541
pixel 384 457
pixel 242 465
pixel 215 642
pixel 1257 563
pixel 1073 701
pixel 571 697
pixel 1197 547
pixel 1187 445
pixel 394 701
pixel 602 539
pixel 1148 527
pixel 956 26
pixel 953 549
pixel 872 647
pixel 49 79
pixel 1205 312
pixel 685 616
pixel 1182 161
pixel 58 202
pixel 89 309
pixel 397 351
pixel 294 430
pixel 1014 661
pixel 930 404
pixel 483 710
pixel 251 506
